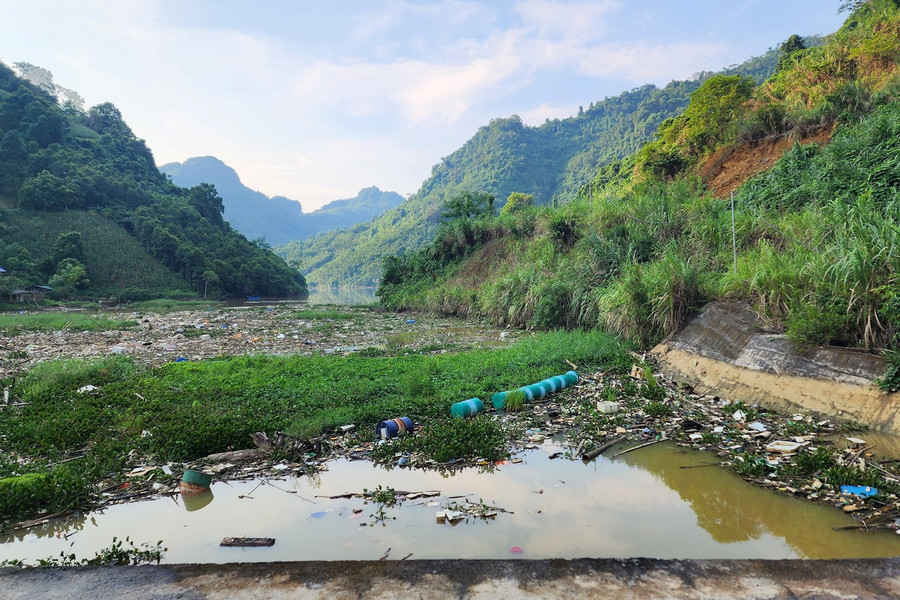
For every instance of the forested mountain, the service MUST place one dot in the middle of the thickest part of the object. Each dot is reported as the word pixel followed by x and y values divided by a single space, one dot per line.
pixel 278 220
pixel 84 208
pixel 551 162
pixel 813 242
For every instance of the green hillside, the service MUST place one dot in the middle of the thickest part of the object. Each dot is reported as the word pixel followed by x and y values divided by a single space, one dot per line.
pixel 817 236
pixel 551 162
pixel 115 262
pixel 84 209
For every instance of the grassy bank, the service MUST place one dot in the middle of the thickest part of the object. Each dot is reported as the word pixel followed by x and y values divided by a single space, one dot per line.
pixel 183 411
pixel 11 324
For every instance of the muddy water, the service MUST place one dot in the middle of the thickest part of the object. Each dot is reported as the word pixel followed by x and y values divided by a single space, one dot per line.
pixel 640 504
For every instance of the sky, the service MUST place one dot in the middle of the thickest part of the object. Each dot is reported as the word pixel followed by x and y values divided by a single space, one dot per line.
pixel 315 100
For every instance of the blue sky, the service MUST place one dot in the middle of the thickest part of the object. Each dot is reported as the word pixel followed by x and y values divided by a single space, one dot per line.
pixel 315 100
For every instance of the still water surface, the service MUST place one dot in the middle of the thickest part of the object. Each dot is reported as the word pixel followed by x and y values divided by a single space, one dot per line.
pixel 345 296
pixel 642 504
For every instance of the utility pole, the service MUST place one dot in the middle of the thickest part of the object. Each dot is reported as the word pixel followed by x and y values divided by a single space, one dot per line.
pixel 733 233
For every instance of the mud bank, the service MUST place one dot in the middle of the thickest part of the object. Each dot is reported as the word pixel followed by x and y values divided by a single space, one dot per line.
pixel 569 579
pixel 725 350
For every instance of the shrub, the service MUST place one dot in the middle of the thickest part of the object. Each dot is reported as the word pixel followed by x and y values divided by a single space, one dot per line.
pixel 552 306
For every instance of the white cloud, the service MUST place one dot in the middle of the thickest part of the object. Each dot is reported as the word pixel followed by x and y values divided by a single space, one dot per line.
pixel 376 96
pixel 646 63
pixel 577 22
pixel 537 115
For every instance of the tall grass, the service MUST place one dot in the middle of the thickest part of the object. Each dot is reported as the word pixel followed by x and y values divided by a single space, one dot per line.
pixel 817 241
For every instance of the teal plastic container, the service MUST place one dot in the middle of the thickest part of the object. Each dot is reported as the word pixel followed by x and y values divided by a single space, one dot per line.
pixel 197 478
pixel 571 377
pixel 499 399
pixel 537 390
pixel 466 408
pixel 560 382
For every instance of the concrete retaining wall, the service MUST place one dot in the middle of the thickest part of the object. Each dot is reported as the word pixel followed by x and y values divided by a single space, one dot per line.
pixel 726 351
pixel 467 579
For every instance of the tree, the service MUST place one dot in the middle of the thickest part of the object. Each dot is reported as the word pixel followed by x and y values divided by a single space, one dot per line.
pixel 206 200
pixel 517 202
pixel 69 245
pixel 104 117
pixel 714 105
pixel 468 205
pixel 46 191
pixel 209 277
pixel 788 48
pixel 70 275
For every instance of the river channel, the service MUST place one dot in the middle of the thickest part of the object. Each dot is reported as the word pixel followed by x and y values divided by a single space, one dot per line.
pixel 661 502
pixel 344 296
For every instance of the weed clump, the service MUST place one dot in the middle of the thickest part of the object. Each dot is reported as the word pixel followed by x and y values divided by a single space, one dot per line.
pixel 446 440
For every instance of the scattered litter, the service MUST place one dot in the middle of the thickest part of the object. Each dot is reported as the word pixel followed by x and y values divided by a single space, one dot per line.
pixel 608 408
pixel 863 491
pixel 785 446
pixel 139 471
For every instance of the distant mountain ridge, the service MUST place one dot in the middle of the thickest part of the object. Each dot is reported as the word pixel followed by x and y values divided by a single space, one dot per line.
pixel 277 219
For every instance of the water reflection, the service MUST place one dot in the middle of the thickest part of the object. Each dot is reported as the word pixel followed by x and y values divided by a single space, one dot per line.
pixel 344 296
pixel 732 512
pixel 641 504
pixel 197 500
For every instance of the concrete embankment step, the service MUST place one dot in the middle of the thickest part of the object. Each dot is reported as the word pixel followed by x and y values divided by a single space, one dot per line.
pixel 470 579
pixel 726 351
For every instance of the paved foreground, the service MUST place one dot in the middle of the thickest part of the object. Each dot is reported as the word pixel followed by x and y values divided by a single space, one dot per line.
pixel 425 579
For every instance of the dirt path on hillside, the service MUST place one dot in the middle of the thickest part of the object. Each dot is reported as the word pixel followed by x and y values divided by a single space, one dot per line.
pixel 728 168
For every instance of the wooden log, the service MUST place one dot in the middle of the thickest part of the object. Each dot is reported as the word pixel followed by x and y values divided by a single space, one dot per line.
pixel 235 456
pixel 601 449
pixel 247 542
pixel 638 447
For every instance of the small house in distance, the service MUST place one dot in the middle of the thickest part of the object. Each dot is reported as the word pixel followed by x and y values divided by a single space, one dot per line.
pixel 35 293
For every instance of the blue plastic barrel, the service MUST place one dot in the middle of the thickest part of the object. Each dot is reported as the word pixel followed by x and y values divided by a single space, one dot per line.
pixel 499 399
pixel 571 377
pixel 394 427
